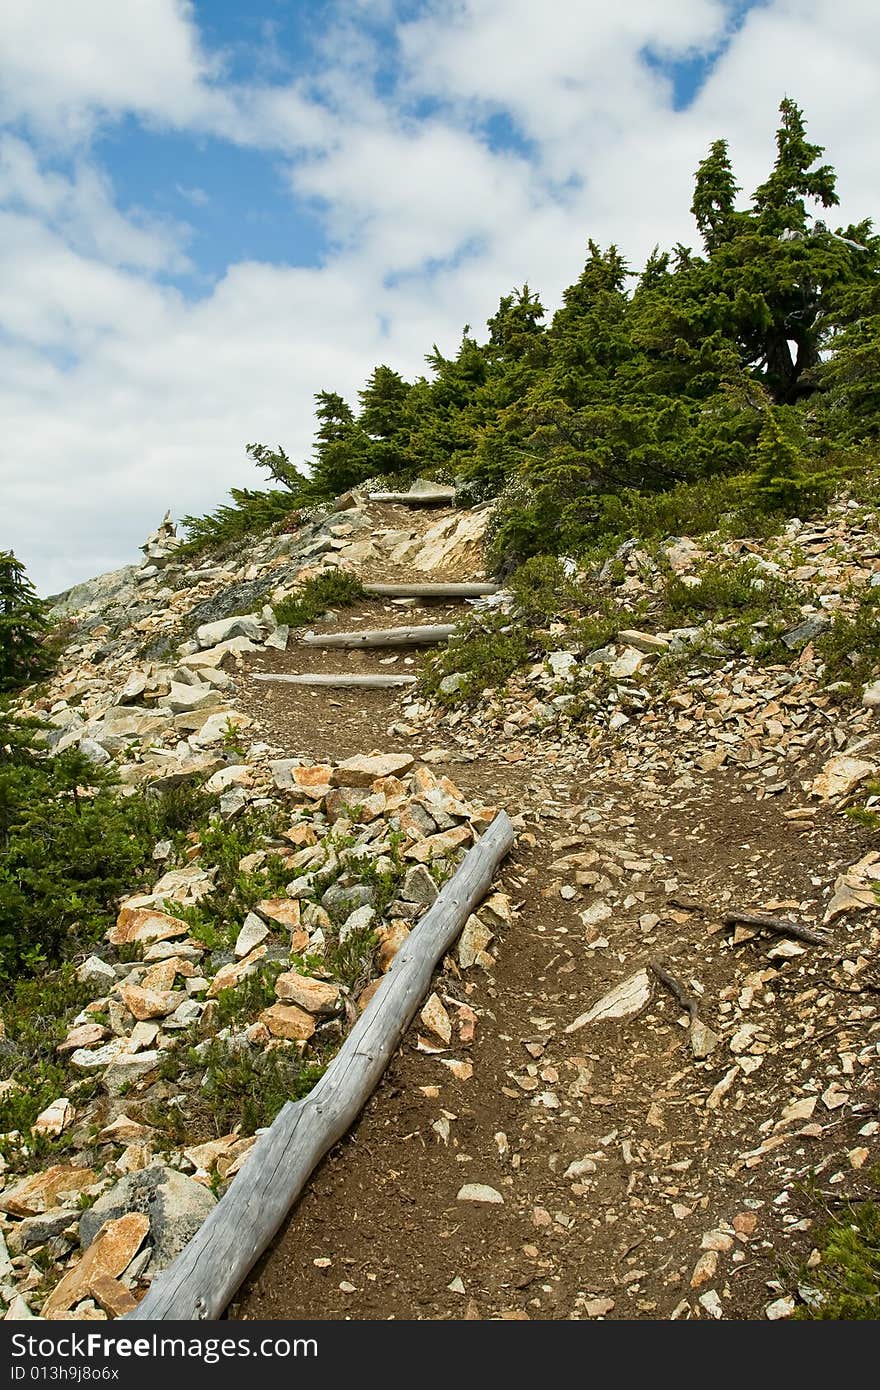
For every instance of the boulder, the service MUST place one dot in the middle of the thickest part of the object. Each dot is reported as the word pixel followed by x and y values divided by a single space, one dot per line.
pixel 174 1205
pixel 363 771
pixel 210 634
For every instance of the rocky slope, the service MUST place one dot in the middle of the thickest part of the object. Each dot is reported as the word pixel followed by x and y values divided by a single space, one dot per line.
pixel 627 1096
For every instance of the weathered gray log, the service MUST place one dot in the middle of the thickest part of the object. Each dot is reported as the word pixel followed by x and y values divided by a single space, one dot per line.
pixel 415 499
pixel 340 682
pixel 452 591
pixel 383 637
pixel 211 1268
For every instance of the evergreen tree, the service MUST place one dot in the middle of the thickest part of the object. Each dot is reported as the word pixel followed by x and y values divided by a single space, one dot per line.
pixel 23 627
pixel 715 190
pixel 383 419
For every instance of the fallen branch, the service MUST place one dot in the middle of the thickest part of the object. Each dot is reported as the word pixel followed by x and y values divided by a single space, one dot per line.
pixel 208 1272
pixel 780 925
pixel 676 989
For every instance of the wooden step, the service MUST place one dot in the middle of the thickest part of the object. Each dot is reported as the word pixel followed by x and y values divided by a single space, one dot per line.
pixel 383 637
pixel 451 591
pixel 416 499
pixel 340 682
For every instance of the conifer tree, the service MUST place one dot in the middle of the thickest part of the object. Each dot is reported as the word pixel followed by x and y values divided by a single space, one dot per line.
pixel 23 627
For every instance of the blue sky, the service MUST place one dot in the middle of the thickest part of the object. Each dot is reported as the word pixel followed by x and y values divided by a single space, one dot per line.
pixel 212 210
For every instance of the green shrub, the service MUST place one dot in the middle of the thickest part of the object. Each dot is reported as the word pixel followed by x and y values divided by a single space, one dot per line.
pixel 726 589
pixel 850 645
pixel 847 1280
pixel 24 654
pixel 333 589
pixel 250 513
pixel 484 652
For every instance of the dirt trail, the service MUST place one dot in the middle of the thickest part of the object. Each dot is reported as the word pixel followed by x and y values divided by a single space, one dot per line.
pixel 629 1190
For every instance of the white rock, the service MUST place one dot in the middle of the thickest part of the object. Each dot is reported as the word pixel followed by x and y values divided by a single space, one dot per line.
pixel 479 1192
pixel 623 1001
pixel 210 634
pixel 252 933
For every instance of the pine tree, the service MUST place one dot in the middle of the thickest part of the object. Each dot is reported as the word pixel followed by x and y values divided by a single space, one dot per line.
pixel 23 627
pixel 715 190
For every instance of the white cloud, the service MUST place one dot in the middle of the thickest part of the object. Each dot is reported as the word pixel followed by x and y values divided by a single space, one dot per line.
pixel 120 397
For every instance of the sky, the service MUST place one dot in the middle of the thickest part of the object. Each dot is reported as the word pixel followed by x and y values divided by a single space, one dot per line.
pixel 211 210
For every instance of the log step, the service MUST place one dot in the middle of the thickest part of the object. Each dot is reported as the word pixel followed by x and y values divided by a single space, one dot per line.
pixel 383 637
pixel 416 499
pixel 453 591
pixel 339 682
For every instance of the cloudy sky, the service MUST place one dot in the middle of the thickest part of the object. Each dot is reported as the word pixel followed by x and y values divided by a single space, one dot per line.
pixel 211 209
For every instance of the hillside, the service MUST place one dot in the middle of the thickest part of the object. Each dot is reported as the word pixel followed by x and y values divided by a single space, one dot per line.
pixel 615 578
pixel 644 1153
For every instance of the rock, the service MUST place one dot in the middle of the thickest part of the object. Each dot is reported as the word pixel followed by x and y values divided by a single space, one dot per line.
pixel 94 751
pixel 113 1245
pixel 145 924
pixel 18 1310
pixel 562 664
pixel 54 1119
pixel 111 1295
pixel 252 933
pixel 391 938
pixel 419 887
pixel 436 1019
pixel 230 975
pixel 479 1192
pixel 315 996
pixel 840 776
pixel 83 1036
pixel 805 632
pixel 149 1003
pixel 211 634
pixel 473 943
pixel 360 920
pixel 41 1191
pixel 648 642
pixel 182 698
pixel 871 695
pixel 174 1204
pixel 95 971
pixel 216 727
pixel 363 771
pixel 623 1001
pixel 702 1039
pixel 451 684
pixel 627 663
pixel 95 1059
pixel 704 1269
pixel 438 846
pixel 37 1230
pixel 780 1308
pixel 285 911
pixel 341 901
pixel 128 1068
pixel 288 1021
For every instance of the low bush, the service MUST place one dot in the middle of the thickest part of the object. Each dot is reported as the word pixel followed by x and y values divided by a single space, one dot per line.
pixel 332 589
pixel 850 645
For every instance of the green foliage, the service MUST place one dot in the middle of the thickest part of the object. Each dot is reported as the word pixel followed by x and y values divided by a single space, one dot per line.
pixel 544 588
pixel 780 482
pixel 332 589
pixel 847 1280
pixel 351 961
pixel 850 645
pixel 70 846
pixel 484 652
pixel 242 1003
pixel 24 655
pixel 250 514
pixel 242 1086
pixel 726 589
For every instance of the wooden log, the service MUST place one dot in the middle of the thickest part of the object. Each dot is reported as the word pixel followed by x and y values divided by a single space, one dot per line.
pixel 453 591
pixel 415 499
pixel 210 1269
pixel 383 637
pixel 340 682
